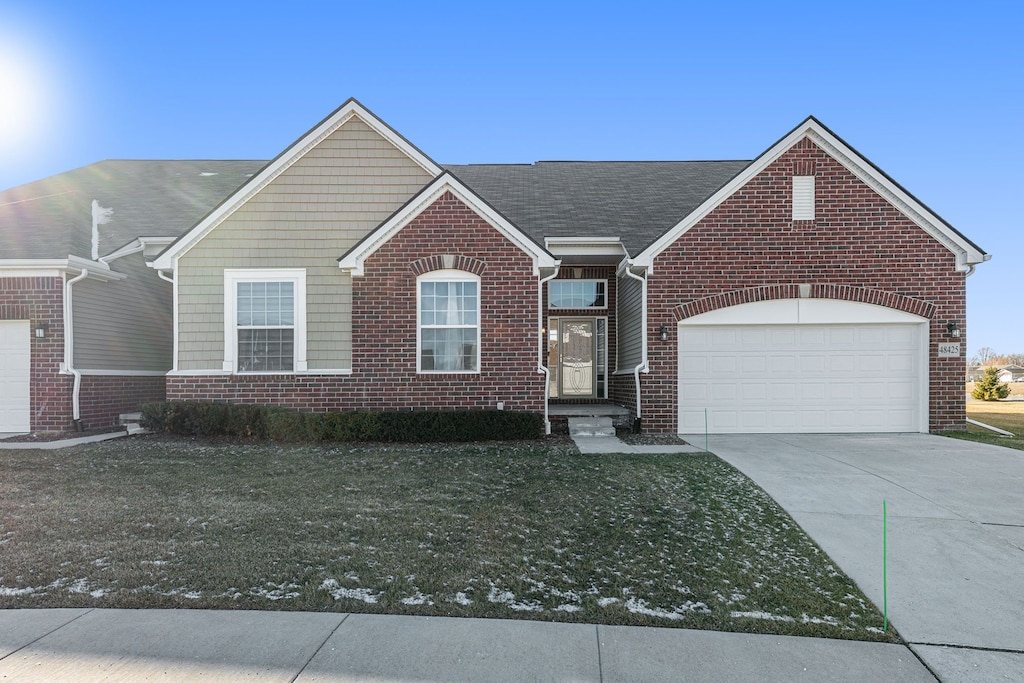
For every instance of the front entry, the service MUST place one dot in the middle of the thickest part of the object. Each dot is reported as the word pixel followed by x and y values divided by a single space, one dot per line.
pixel 576 355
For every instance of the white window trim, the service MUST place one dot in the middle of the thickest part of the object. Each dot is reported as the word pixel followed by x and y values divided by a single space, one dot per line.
pixel 449 276
pixel 552 307
pixel 232 277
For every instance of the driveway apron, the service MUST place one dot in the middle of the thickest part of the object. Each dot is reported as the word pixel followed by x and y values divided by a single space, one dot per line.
pixel 955 533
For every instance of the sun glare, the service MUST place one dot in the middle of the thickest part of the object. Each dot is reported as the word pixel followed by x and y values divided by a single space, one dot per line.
pixel 20 99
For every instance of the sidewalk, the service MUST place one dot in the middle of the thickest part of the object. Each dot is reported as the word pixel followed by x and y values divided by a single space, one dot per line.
pixel 180 645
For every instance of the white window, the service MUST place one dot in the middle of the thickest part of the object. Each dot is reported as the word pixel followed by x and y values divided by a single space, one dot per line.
pixel 448 333
pixel 265 320
pixel 803 198
pixel 577 294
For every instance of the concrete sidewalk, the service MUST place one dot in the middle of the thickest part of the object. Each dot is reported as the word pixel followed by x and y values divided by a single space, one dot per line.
pixel 955 533
pixel 185 645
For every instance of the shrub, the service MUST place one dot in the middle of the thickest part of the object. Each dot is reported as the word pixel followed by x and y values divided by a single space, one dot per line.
pixel 190 418
pixel 989 388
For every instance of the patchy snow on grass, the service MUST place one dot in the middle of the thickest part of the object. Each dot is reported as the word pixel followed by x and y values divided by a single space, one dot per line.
pixel 462 599
pixel 337 592
pixel 417 598
pixel 6 592
pixel 767 616
pixel 276 591
pixel 605 602
pixel 509 598
pixel 639 606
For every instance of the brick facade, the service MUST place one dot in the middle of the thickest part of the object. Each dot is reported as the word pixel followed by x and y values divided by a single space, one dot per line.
pixel 103 398
pixel 384 316
pixel 858 248
pixel 40 300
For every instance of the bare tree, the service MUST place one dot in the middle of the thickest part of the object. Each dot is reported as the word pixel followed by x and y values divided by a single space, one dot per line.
pixel 984 356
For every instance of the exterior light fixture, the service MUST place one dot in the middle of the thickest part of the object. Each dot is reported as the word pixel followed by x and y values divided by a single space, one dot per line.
pixel 953 329
pixel 41 329
pixel 663 332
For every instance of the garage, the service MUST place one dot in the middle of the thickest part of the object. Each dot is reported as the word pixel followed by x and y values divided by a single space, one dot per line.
pixel 15 356
pixel 803 366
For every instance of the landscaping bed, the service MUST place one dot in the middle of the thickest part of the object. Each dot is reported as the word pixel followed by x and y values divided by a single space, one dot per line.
pixel 527 530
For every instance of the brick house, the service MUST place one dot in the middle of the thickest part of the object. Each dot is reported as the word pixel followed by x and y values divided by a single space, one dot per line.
pixel 802 291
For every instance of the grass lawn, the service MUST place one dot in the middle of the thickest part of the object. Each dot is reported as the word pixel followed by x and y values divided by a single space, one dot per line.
pixel 1008 415
pixel 506 531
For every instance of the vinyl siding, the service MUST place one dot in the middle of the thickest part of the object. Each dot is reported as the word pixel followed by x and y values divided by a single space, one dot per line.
pixel 630 321
pixel 124 324
pixel 307 217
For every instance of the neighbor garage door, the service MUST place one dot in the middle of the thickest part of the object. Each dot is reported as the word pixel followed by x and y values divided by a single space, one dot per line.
pixel 15 354
pixel 791 366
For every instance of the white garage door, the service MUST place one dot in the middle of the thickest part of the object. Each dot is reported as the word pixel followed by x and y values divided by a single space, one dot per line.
pixel 800 367
pixel 15 355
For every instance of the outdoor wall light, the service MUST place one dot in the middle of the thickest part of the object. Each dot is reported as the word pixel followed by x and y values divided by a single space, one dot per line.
pixel 663 332
pixel 953 329
pixel 41 329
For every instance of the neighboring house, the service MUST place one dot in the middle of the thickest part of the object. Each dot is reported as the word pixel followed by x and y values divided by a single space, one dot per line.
pixel 1011 373
pixel 802 291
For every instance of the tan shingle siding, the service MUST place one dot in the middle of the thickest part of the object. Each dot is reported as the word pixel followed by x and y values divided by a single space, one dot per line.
pixel 306 218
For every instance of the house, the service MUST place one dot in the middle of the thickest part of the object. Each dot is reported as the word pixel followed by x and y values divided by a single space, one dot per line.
pixel 1011 373
pixel 803 291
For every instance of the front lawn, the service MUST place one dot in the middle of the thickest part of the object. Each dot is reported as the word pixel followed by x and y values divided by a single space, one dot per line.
pixel 530 531
pixel 1006 415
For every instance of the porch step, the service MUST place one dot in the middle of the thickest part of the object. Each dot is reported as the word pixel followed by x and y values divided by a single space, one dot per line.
pixel 591 426
pixel 131 421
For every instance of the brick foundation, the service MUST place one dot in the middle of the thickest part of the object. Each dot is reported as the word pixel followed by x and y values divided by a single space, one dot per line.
pixel 102 398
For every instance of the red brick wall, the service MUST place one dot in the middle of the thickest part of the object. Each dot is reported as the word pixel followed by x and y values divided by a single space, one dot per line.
pixel 40 300
pixel 859 247
pixel 384 373
pixel 102 398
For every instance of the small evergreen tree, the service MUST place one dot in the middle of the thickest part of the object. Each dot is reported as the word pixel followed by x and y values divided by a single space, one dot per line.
pixel 989 388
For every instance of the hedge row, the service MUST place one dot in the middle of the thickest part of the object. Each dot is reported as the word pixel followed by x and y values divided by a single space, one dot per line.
pixel 278 424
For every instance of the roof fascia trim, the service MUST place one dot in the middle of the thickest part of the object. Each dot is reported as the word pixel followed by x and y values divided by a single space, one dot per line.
pixel 72 264
pixel 355 259
pixel 967 254
pixel 296 151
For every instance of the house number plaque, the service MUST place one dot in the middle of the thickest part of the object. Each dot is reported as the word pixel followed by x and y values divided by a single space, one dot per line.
pixel 949 350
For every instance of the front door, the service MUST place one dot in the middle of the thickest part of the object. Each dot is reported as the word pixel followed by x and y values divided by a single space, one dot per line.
pixel 577 361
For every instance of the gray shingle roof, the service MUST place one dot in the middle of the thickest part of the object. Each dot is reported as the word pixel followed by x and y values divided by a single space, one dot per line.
pixel 52 218
pixel 636 201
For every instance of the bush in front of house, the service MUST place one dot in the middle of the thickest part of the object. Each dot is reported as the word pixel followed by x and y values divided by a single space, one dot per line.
pixel 190 418
pixel 989 388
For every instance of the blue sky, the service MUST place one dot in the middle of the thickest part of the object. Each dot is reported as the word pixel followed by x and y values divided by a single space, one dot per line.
pixel 933 93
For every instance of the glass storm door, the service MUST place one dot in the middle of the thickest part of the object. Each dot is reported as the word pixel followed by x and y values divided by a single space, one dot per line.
pixel 577 358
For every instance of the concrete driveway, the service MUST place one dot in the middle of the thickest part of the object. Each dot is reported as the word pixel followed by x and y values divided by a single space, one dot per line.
pixel 955 533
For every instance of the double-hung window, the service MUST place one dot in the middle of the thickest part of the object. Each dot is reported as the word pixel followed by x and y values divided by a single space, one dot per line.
pixel 265 320
pixel 448 329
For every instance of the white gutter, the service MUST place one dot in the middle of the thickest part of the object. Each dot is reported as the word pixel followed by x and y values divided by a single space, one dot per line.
pixel 69 368
pixel 542 340
pixel 174 317
pixel 643 334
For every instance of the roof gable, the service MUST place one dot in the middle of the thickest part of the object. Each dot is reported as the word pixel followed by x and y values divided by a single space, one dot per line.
pixel 306 143
pixel 354 260
pixel 967 253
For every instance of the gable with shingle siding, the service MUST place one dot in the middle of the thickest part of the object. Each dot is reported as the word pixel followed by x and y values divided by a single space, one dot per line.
pixel 314 211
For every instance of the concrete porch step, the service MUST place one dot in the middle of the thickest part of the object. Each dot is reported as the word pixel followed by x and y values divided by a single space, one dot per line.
pixel 131 422
pixel 591 426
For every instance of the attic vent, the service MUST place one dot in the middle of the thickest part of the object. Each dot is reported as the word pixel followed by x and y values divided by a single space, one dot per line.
pixel 803 198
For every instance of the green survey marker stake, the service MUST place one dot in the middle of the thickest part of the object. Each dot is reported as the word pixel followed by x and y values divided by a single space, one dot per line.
pixel 885 569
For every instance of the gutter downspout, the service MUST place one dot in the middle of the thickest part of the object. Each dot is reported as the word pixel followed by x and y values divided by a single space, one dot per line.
pixel 69 349
pixel 542 338
pixel 174 317
pixel 642 367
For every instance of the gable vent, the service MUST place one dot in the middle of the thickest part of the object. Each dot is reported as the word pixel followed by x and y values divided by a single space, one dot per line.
pixel 803 198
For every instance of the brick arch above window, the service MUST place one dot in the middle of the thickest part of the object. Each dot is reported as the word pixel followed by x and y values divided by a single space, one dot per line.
pixel 448 262
pixel 863 295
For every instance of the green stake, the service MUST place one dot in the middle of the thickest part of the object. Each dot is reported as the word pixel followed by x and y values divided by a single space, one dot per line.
pixel 885 569
pixel 706 431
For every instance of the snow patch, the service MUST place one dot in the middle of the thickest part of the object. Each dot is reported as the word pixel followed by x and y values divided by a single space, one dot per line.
pixel 337 592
